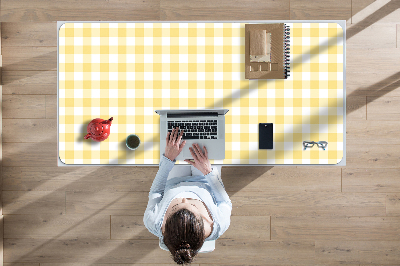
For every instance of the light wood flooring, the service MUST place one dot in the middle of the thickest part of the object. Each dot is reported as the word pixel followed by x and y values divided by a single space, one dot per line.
pixel 281 215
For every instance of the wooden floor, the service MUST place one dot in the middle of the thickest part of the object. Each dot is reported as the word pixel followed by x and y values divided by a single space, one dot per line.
pixel 281 215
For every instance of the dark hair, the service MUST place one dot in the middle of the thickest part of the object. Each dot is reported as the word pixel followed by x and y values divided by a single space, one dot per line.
pixel 184 235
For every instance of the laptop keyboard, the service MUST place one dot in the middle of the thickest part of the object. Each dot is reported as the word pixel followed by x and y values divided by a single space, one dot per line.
pixel 196 129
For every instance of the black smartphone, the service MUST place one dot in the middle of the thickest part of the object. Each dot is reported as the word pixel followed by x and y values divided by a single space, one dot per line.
pixel 266 136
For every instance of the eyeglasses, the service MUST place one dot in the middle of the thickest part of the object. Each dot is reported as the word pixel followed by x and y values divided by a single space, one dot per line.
pixel 310 144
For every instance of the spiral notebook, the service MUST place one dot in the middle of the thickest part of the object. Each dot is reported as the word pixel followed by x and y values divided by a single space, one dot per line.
pixel 267 51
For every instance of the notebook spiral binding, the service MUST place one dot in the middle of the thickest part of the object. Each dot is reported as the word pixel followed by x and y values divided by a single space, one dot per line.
pixel 286 50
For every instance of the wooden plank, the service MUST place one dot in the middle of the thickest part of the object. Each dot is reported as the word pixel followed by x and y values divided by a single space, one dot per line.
pixel 1 67
pixel 280 179
pixel 30 58
pixel 358 6
pixel 1 155
pixel 246 203
pixel 377 264
pixel 50 10
pixel 367 252
pixel 371 132
pixel 40 130
pixel 30 154
pixel 24 106
pixel 264 253
pixel 372 156
pixel 371 180
pixel 148 251
pixel 21 264
pixel 335 228
pixel 129 227
pixel 356 108
pixel 84 251
pixel 384 36
pixel 29 34
pixel 30 82
pixel 57 178
pixel 386 61
pixel 369 12
pixel 373 84
pixel 79 178
pixel 393 204
pixel 246 227
pixel 308 204
pixel 1 161
pixel 51 226
pixel 172 10
pixel 383 108
pixel 317 9
pixel 1 238
pixel 51 106
pixel 33 202
pixel 108 264
pixel 111 203
pixel 123 179
pixel 314 264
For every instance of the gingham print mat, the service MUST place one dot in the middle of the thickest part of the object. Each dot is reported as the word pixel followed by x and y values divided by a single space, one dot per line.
pixel 128 70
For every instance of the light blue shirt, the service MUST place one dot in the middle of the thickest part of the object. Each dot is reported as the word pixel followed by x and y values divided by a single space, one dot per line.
pixel 209 188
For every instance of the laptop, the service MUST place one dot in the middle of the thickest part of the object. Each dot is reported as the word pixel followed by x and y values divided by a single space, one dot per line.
pixel 205 127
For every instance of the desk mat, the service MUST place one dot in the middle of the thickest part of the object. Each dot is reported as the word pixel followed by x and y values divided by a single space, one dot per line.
pixel 128 70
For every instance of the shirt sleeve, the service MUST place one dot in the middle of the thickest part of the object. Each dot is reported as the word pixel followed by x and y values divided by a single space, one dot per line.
pixel 224 204
pixel 156 194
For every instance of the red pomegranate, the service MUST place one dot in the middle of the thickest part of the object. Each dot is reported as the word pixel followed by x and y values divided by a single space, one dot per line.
pixel 98 129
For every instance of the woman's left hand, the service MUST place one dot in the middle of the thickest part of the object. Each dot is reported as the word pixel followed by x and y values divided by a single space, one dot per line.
pixel 172 149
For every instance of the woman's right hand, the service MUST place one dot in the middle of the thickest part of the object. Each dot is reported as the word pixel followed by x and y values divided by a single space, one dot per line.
pixel 201 161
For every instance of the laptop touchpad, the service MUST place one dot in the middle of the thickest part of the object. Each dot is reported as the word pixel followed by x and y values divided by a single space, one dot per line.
pixel 188 155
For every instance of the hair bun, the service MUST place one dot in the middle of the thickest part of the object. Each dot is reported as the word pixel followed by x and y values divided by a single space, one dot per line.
pixel 183 255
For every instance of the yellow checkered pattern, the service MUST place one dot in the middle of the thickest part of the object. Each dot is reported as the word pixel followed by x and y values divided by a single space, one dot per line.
pixel 128 70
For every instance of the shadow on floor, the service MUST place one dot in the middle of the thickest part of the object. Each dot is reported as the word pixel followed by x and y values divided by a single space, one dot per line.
pixel 234 181
pixel 382 12
pixel 235 178
pixel 48 58
pixel 377 90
